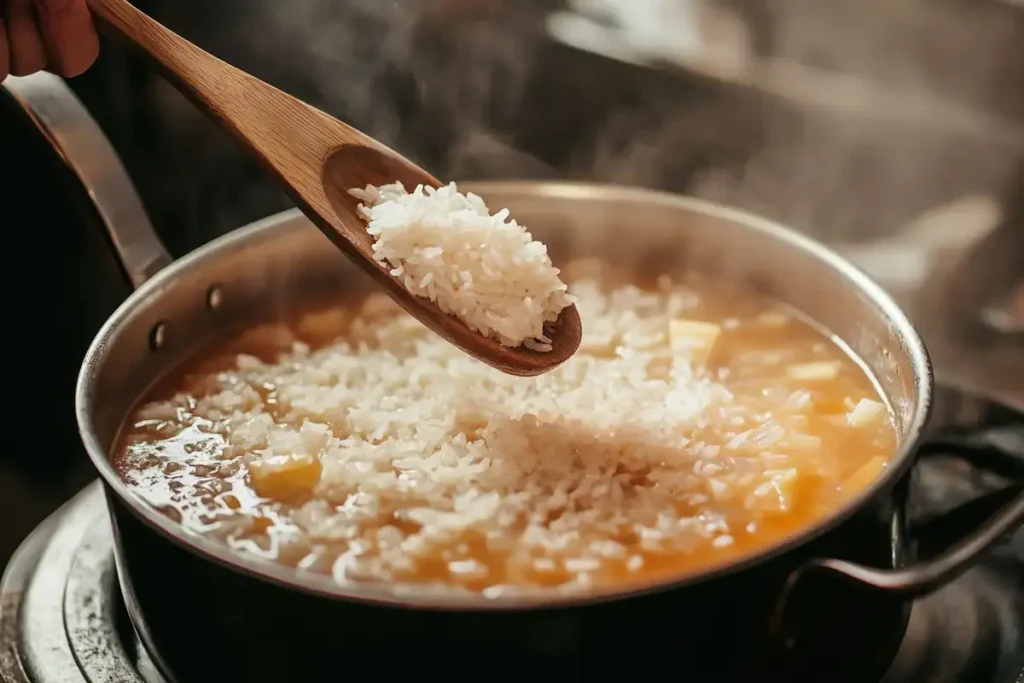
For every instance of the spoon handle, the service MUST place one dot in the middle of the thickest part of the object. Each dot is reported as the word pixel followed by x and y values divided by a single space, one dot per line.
pixel 278 127
pixel 318 160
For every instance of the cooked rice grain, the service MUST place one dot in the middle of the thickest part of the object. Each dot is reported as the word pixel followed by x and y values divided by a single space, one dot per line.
pixel 484 269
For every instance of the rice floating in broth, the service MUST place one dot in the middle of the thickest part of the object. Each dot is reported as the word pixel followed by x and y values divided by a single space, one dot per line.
pixel 486 270
pixel 696 425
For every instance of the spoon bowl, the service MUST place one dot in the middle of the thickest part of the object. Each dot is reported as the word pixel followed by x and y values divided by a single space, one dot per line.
pixel 356 166
pixel 319 159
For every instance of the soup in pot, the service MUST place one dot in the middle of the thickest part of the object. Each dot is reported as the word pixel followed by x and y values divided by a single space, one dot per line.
pixel 697 424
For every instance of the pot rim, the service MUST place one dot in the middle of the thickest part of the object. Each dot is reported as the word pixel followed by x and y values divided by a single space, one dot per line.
pixel 412 596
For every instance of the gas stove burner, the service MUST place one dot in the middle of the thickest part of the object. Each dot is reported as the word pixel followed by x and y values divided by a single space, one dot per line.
pixel 63 620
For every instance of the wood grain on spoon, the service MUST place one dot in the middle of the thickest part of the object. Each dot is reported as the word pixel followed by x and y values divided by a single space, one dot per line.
pixel 318 159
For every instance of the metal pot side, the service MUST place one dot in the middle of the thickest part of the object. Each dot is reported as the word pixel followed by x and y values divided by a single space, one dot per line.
pixel 261 272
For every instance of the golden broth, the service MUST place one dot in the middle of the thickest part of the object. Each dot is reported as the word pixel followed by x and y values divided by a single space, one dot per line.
pixel 697 424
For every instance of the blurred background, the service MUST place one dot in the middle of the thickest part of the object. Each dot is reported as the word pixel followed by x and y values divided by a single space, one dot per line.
pixel 891 129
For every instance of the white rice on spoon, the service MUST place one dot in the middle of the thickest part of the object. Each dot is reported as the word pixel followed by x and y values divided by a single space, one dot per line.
pixel 486 270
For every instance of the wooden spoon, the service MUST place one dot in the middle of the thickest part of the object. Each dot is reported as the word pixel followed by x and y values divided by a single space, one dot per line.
pixel 318 159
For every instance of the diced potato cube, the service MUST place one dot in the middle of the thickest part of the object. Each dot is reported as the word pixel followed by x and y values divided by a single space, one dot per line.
pixel 283 476
pixel 813 372
pixel 773 319
pixel 599 342
pixel 776 494
pixel 866 412
pixel 693 340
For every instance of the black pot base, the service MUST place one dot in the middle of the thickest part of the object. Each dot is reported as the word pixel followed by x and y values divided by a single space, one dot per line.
pixel 63 619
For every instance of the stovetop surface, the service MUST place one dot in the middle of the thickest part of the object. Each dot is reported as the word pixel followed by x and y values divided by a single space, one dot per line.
pixel 62 619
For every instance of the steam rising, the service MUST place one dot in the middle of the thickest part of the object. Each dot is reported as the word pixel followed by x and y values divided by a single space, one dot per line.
pixel 898 107
pixel 869 113
pixel 441 90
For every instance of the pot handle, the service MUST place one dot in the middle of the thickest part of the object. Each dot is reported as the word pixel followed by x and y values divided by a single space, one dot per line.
pixel 998 450
pixel 82 145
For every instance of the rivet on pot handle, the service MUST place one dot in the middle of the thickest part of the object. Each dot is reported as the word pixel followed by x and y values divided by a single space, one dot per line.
pixel 995 449
pixel 68 126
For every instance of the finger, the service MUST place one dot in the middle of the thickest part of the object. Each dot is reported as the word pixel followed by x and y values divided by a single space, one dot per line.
pixel 5 62
pixel 28 55
pixel 70 37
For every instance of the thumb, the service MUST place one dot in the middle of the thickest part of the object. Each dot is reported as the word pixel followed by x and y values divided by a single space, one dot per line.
pixel 69 34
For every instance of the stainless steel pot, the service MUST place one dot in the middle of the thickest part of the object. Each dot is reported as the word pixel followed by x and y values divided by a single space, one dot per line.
pixel 270 623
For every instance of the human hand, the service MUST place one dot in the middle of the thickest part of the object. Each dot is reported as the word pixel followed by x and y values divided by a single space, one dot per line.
pixel 57 35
